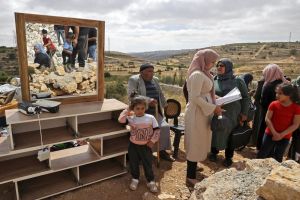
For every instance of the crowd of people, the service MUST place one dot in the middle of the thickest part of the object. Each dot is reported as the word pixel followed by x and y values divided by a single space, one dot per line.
pixel 78 43
pixel 275 121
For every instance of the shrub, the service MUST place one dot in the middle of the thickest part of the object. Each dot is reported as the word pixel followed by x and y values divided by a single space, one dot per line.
pixel 159 71
pixel 115 90
pixel 172 80
pixel 181 66
pixel 107 74
pixel 12 56
pixel 293 52
pixel 3 77
pixel 168 68
pixel 274 45
pixel 283 45
pixel 166 79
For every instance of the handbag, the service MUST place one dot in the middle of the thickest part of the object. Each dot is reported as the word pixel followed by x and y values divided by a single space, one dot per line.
pixel 240 136
pixel 221 130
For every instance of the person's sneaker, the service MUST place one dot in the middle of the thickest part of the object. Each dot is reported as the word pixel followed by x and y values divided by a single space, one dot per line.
pixel 152 187
pixel 134 184
pixel 227 162
pixel 212 157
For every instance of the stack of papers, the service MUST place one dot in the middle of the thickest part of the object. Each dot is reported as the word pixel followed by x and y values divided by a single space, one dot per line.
pixel 233 95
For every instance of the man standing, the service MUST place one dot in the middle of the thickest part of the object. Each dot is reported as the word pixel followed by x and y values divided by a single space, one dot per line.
pixel 80 42
pixel 60 33
pixel 92 43
pixel 146 84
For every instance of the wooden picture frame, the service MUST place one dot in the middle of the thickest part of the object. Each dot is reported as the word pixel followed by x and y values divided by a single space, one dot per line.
pixel 22 18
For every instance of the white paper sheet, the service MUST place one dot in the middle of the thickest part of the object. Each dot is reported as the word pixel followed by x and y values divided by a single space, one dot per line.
pixel 233 95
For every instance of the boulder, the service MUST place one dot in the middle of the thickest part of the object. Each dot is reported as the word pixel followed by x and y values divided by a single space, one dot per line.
pixel 282 183
pixel 60 70
pixel 69 88
pixel 78 77
pixel 243 184
pixel 84 85
pixel 44 88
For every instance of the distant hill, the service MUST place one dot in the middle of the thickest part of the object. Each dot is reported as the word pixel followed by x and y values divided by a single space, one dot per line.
pixel 159 55
pixel 118 55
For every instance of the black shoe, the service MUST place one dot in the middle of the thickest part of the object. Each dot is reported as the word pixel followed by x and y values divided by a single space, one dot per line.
pixel 164 155
pixel 227 162
pixel 199 169
pixel 213 157
pixel 190 183
pixel 240 148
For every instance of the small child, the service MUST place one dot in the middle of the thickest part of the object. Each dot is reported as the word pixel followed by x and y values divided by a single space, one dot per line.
pixel 282 118
pixel 68 51
pixel 51 49
pixel 144 133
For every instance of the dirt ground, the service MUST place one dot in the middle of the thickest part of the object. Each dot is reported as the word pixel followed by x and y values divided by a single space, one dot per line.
pixel 169 176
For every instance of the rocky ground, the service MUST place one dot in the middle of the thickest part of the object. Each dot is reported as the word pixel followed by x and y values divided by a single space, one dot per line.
pixel 170 178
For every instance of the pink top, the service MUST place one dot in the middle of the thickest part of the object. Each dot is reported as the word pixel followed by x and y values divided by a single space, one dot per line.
pixel 143 129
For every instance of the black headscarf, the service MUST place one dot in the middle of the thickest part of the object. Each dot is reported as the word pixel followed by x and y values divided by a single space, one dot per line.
pixel 225 81
pixel 228 69
pixel 247 78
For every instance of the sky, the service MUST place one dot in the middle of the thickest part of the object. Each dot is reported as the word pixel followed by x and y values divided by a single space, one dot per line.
pixel 150 25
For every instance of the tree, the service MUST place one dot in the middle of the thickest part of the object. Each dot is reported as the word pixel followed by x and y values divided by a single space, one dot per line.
pixel 293 52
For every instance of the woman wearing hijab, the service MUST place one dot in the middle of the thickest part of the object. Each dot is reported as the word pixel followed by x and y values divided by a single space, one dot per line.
pixel 247 78
pixel 41 56
pixel 199 110
pixel 236 111
pixel 273 76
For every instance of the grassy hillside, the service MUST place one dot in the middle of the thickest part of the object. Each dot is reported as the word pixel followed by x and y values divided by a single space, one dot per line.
pixel 247 57
pixel 9 60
